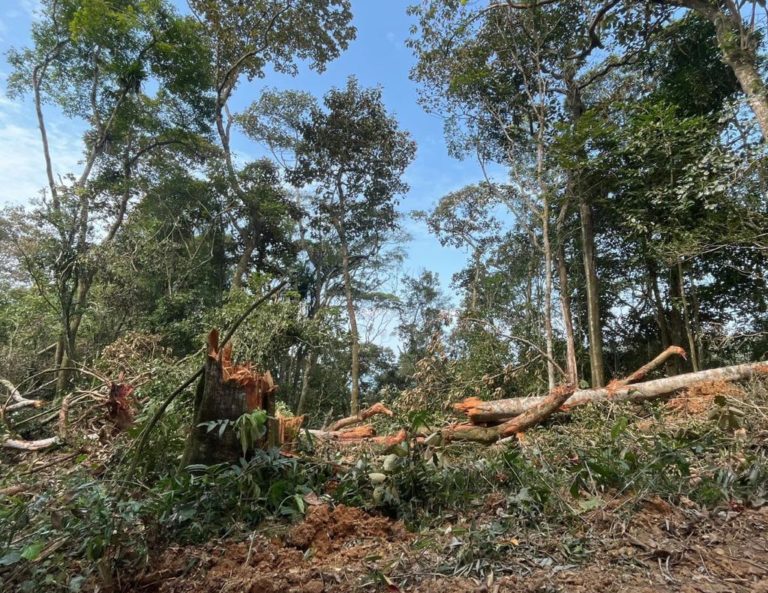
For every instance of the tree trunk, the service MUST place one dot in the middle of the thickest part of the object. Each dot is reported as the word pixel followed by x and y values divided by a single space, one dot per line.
pixel 565 305
pixel 309 363
pixel 575 106
pixel 689 331
pixel 501 410
pixel 740 51
pixel 354 336
pixel 225 393
pixel 593 295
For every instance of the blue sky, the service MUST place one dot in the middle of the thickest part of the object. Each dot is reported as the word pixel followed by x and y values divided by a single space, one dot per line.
pixel 377 57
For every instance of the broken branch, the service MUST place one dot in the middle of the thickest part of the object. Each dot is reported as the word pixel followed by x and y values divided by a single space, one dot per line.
pixel 377 408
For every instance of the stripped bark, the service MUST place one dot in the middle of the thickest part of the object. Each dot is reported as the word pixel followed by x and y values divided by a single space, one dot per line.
pixel 19 400
pixel 480 412
pixel 377 408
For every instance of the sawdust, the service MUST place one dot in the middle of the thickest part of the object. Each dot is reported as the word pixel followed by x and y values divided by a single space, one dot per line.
pixel 699 398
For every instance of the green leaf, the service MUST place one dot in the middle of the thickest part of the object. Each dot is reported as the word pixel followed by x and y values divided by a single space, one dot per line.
pixel 32 551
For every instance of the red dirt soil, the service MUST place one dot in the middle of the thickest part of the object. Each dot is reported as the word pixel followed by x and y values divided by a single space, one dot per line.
pixel 343 550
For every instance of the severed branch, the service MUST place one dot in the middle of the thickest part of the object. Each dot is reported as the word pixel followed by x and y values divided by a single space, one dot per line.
pixel 19 400
pixel 535 414
pixel 377 408
pixel 647 368
pixel 30 445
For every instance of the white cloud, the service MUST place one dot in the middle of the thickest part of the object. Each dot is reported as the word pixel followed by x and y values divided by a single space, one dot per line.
pixel 22 167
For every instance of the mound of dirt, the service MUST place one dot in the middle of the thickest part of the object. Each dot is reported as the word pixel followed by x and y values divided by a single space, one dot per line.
pixel 327 530
pixel 334 550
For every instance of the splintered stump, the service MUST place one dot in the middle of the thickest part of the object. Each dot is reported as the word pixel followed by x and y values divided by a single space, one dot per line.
pixel 226 392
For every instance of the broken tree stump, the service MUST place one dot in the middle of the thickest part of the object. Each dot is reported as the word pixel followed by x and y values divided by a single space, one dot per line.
pixel 226 392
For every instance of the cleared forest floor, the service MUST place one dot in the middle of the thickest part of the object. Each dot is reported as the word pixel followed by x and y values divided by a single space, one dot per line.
pixel 662 496
pixel 658 548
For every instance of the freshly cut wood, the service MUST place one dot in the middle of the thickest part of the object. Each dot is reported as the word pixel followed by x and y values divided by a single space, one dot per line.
pixel 226 392
pixel 19 400
pixel 647 368
pixel 352 434
pixel 360 435
pixel 377 408
pixel 289 427
pixel 530 417
pixel 482 412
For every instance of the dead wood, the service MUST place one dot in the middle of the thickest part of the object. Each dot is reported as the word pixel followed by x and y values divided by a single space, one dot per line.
pixel 30 445
pixel 144 439
pixel 481 412
pixel 530 417
pixel 227 392
pixel 19 400
pixel 360 435
pixel 647 368
pixel 377 408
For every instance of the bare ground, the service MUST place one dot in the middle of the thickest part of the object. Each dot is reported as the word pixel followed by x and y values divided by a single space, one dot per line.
pixel 658 548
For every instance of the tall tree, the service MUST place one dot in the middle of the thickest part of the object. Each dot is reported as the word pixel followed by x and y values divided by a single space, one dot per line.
pixel 355 153
pixel 248 38
pixel 97 61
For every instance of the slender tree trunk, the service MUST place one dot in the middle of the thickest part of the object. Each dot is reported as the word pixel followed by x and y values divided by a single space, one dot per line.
pixel 593 303
pixel 565 305
pixel 661 314
pixel 309 363
pixel 548 266
pixel 689 331
pixel 575 107
pixel 353 333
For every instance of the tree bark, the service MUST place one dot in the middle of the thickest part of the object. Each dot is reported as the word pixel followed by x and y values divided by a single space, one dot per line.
pixel 377 408
pixel 575 106
pixel 565 305
pixel 533 415
pixel 309 363
pixel 225 393
pixel 353 333
pixel 501 410
pixel 593 296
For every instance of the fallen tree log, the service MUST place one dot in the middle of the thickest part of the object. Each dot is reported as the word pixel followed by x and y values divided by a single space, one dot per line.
pixel 482 412
pixel 533 415
pixel 359 436
pixel 377 408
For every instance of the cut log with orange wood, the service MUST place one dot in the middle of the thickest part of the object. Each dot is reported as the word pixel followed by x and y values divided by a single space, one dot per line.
pixel 377 408
pixel 484 412
pixel 360 435
pixel 532 416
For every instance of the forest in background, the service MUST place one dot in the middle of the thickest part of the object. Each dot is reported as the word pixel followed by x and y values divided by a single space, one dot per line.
pixel 633 215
